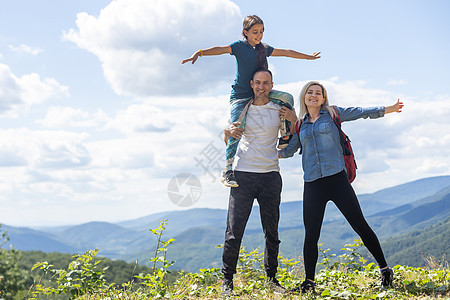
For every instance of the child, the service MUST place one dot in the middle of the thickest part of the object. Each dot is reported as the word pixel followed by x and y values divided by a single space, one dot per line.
pixel 250 55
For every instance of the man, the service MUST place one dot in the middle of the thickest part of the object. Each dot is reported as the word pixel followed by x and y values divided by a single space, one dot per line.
pixel 257 172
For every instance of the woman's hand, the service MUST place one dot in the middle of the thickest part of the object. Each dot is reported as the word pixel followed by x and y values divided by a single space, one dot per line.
pixel 288 114
pixel 397 107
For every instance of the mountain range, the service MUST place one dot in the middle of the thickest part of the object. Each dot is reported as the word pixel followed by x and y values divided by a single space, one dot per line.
pixel 412 220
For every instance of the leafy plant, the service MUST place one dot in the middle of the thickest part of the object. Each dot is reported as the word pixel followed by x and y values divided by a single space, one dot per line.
pixel 347 276
pixel 351 259
pixel 327 259
pixel 12 279
pixel 290 271
pixel 156 280
pixel 82 276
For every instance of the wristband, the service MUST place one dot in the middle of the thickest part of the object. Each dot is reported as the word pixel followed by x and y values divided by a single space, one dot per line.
pixel 201 52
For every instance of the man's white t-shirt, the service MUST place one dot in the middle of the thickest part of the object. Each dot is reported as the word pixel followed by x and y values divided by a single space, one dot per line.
pixel 257 150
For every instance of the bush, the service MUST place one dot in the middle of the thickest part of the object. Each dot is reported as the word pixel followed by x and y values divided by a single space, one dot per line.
pixel 12 279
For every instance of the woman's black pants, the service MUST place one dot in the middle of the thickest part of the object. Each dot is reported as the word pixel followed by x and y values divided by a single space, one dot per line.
pixel 316 194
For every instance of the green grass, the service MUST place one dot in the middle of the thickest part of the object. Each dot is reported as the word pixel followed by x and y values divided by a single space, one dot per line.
pixel 341 283
pixel 347 276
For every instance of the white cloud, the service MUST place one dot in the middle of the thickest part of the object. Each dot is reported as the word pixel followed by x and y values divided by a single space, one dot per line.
pixel 26 90
pixel 10 157
pixel 173 134
pixel 22 48
pixel 141 44
pixel 35 91
pixel 9 89
pixel 141 118
pixel 125 153
pixel 44 149
pixel 354 93
pixel 64 117
pixel 62 154
pixel 397 82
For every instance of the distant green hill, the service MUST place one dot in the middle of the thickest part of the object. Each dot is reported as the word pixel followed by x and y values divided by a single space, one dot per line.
pixel 399 210
pixel 30 239
pixel 411 248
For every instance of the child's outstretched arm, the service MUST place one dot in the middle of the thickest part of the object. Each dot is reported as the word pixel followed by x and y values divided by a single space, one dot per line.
pixel 218 50
pixel 294 54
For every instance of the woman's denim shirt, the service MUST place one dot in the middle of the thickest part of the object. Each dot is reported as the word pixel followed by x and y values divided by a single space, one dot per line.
pixel 321 148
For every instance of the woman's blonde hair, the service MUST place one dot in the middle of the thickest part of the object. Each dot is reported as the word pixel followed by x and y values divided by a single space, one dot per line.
pixel 304 108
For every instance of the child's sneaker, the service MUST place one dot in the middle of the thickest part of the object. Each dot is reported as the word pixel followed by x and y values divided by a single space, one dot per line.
pixel 284 141
pixel 387 276
pixel 228 179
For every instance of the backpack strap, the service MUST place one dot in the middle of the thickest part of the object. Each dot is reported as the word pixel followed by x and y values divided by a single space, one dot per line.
pixel 298 124
pixel 342 136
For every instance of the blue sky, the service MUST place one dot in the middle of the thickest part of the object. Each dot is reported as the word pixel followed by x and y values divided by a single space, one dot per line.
pixel 97 114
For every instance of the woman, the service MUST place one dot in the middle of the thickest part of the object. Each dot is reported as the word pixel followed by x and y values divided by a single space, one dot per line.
pixel 325 175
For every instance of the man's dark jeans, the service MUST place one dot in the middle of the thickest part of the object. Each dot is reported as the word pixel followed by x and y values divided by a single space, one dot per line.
pixel 266 189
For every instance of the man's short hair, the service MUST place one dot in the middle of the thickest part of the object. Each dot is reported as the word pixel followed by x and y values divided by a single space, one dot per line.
pixel 263 70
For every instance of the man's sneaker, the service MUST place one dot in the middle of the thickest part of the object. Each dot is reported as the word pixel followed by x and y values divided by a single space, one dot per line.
pixel 275 286
pixel 228 179
pixel 387 276
pixel 284 141
pixel 227 287
pixel 307 286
